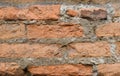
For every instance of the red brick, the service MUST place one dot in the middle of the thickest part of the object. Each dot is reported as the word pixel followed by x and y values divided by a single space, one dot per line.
pixel 72 13
pixel 97 49
pixel 93 13
pixel 40 12
pixel 118 48
pixel 8 13
pixel 109 69
pixel 108 30
pixel 116 9
pixel 54 31
pixel 61 70
pixel 10 69
pixel 29 50
pixel 8 31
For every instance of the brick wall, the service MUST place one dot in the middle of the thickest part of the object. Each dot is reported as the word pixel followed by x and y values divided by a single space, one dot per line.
pixel 59 38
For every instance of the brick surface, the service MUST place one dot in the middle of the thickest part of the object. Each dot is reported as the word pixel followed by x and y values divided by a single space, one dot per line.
pixel 41 12
pixel 109 69
pixel 10 69
pixel 8 13
pixel 108 30
pixel 29 50
pixel 54 31
pixel 118 48
pixel 8 31
pixel 97 49
pixel 72 13
pixel 93 13
pixel 61 70
pixel 116 9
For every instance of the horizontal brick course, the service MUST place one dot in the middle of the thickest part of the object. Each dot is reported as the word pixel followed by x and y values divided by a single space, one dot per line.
pixel 54 31
pixel 30 50
pixel 39 12
pixel 11 31
pixel 109 69
pixel 10 69
pixel 61 70
pixel 97 49
pixel 108 30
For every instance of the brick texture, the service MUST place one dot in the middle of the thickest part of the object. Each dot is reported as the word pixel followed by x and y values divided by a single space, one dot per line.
pixel 54 31
pixel 108 30
pixel 10 69
pixel 72 13
pixel 93 13
pixel 61 70
pixel 41 12
pixel 59 37
pixel 97 49
pixel 9 31
pixel 109 69
pixel 118 48
pixel 29 50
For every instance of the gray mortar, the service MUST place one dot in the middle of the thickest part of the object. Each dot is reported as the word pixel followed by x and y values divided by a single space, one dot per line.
pixel 24 62
pixel 95 71
pixel 117 19
pixel 62 41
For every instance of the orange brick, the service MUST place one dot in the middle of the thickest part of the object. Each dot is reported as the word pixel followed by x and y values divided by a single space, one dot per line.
pixel 8 13
pixel 109 69
pixel 97 49
pixel 54 31
pixel 72 13
pixel 8 31
pixel 116 9
pixel 61 70
pixel 41 12
pixel 108 30
pixel 29 50
pixel 10 69
pixel 118 48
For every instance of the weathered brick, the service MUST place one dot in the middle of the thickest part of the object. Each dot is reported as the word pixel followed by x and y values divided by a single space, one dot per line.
pixel 109 69
pixel 41 12
pixel 54 31
pixel 108 30
pixel 8 13
pixel 116 9
pixel 10 69
pixel 72 13
pixel 97 49
pixel 93 13
pixel 29 50
pixel 8 31
pixel 118 48
pixel 61 70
